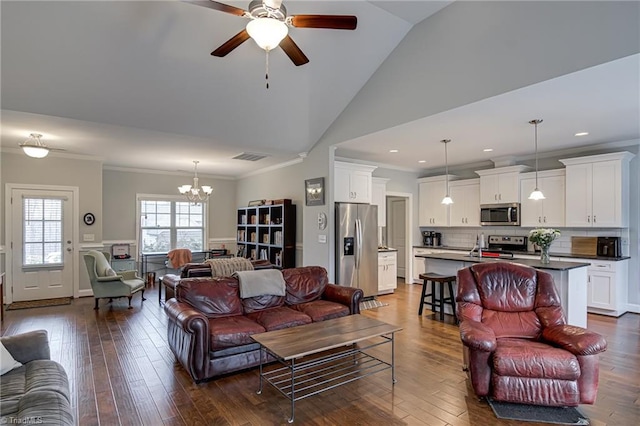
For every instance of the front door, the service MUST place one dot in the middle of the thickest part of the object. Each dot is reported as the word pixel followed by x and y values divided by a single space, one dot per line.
pixel 41 244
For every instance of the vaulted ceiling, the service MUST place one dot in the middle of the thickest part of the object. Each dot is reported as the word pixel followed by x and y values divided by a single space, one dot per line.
pixel 121 80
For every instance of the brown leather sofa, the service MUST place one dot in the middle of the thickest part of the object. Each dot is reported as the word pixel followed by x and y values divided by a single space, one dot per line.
pixel 210 326
pixel 517 344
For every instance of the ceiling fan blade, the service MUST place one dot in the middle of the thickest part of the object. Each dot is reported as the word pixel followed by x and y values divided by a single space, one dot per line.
pixel 293 51
pixel 231 44
pixel 215 5
pixel 336 22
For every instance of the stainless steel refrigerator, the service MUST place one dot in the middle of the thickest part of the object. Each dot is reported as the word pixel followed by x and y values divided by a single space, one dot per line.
pixel 357 247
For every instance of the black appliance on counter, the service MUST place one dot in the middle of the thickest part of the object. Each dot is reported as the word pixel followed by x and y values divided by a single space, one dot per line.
pixel 609 247
pixel 431 238
pixel 507 243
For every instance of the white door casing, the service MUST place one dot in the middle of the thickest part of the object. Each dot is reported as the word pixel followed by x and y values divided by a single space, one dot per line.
pixel 409 237
pixel 60 279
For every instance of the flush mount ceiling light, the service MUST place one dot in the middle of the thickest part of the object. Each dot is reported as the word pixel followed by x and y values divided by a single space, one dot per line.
pixel 536 194
pixel 195 193
pixel 447 198
pixel 34 147
pixel 582 134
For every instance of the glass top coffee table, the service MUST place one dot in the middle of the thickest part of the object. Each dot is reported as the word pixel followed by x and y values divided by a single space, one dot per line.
pixel 323 355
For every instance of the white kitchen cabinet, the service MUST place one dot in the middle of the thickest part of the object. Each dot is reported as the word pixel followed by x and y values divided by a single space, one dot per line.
pixel 500 185
pixel 431 210
pixel 379 198
pixel 352 182
pixel 597 190
pixel 387 272
pixel 547 212
pixel 607 283
pixel 465 210
pixel 419 263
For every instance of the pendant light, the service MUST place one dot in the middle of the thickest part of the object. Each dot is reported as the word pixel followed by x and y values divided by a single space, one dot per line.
pixel 536 194
pixel 447 198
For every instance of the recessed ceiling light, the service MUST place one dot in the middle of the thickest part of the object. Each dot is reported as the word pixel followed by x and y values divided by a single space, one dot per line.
pixel 393 150
pixel 422 161
pixel 488 150
pixel 582 133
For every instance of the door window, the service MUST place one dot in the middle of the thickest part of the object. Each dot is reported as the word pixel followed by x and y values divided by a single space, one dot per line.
pixel 42 242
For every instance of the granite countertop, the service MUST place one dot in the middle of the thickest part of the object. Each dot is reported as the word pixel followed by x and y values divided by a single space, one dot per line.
pixel 386 249
pixel 535 263
pixel 528 253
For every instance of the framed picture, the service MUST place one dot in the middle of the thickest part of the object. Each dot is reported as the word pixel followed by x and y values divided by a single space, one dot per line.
pixel 314 192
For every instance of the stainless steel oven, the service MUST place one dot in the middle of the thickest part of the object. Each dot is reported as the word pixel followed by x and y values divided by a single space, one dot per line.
pixel 500 214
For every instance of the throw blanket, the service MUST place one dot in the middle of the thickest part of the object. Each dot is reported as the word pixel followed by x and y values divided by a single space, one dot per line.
pixel 179 257
pixel 258 283
pixel 226 267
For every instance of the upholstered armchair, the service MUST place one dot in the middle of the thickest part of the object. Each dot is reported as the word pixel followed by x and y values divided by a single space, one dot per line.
pixel 518 347
pixel 106 283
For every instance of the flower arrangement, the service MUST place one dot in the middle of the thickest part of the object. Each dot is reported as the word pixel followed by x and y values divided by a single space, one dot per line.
pixel 543 236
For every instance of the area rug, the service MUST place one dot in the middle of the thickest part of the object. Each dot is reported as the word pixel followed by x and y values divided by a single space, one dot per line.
pixel 371 304
pixel 537 413
pixel 39 303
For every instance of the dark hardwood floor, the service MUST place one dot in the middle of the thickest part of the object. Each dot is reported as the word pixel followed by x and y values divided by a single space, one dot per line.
pixel 121 371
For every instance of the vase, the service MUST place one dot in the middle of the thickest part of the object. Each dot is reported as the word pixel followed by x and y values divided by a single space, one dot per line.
pixel 544 254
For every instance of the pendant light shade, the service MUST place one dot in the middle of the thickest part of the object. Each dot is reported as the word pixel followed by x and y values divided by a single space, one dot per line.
pixel 536 194
pixel 447 198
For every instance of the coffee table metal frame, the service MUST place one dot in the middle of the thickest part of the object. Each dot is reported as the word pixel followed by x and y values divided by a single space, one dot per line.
pixel 302 376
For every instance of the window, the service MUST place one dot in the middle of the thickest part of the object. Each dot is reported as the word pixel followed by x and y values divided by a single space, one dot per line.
pixel 42 242
pixel 166 224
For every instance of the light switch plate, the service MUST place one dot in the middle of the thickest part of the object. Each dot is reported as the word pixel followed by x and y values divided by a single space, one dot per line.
pixel 88 237
pixel 322 238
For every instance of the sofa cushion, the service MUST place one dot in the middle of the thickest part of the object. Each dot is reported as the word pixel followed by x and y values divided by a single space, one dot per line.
pixel 232 331
pixel 321 310
pixel 213 297
pixel 279 318
pixel 304 284
pixel 35 376
pixel 528 358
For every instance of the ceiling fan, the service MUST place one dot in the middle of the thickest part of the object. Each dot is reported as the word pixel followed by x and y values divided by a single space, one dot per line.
pixel 35 148
pixel 269 26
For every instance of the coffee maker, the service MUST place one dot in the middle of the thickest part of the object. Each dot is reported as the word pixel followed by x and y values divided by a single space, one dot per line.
pixel 431 238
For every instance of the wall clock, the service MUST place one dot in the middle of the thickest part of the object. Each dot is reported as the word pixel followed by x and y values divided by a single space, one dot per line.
pixel 89 219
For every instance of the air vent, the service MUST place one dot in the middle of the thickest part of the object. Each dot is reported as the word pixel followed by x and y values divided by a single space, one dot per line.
pixel 249 156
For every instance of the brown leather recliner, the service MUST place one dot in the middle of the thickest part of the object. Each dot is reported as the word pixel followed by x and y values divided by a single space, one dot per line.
pixel 518 347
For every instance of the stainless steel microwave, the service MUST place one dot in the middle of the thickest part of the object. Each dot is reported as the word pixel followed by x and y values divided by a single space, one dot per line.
pixel 500 214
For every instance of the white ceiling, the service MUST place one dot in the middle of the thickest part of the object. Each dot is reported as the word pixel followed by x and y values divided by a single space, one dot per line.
pixel 603 100
pixel 134 84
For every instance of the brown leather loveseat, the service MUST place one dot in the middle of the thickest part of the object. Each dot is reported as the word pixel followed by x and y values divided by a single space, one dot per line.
pixel 517 344
pixel 210 326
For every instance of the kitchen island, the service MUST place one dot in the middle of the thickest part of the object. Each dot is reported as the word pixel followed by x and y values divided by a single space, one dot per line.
pixel 570 278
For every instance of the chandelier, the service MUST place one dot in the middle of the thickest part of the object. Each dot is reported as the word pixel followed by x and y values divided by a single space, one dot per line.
pixel 195 193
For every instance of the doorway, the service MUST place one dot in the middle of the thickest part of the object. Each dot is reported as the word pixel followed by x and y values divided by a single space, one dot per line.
pixel 41 233
pixel 398 225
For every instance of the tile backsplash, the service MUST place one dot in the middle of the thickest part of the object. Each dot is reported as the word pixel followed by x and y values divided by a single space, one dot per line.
pixel 466 237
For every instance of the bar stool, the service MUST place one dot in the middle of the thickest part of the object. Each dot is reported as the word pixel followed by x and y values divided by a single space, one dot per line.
pixel 437 299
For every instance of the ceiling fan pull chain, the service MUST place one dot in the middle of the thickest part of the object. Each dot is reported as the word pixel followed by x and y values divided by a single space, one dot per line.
pixel 266 75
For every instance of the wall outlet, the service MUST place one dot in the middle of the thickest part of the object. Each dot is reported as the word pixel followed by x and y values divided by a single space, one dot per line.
pixel 88 237
pixel 322 238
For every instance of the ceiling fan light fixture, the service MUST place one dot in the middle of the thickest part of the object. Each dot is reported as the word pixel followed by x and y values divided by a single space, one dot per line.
pixel 267 32
pixel 33 147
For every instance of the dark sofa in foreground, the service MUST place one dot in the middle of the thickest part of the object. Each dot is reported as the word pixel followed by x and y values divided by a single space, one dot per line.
pixel 210 326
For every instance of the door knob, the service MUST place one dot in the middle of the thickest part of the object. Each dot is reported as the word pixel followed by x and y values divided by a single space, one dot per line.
pixel 69 249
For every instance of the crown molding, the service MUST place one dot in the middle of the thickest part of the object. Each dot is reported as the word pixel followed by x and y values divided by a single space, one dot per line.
pixel 272 168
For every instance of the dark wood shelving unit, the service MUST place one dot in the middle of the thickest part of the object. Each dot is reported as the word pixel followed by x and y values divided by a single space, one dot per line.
pixel 268 232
